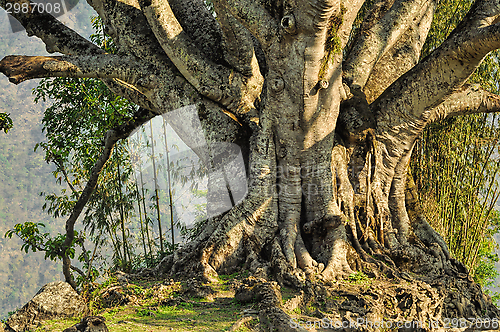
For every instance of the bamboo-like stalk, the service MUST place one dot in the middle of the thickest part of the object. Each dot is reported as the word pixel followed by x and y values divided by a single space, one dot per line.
pixel 126 252
pixel 140 216
pixel 156 186
pixel 139 206
pixel 145 213
pixel 94 252
pixel 171 204
pixel 113 240
pixel 483 229
pixel 462 184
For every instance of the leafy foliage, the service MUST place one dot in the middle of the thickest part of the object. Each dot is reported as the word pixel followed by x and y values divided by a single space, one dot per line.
pixel 456 168
pixel 5 122
pixel 83 110
pixel 53 248
pixel 35 241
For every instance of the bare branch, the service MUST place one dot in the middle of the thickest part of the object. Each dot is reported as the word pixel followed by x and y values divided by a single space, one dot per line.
pixel 216 82
pixel 80 272
pixel 56 36
pixel 468 100
pixel 111 137
pixel 400 58
pixel 238 45
pixel 19 68
pixel 254 17
pixel 381 37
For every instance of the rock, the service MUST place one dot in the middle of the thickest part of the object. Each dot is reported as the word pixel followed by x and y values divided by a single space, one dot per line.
pixel 195 288
pixel 89 324
pixel 54 300
pixel 114 296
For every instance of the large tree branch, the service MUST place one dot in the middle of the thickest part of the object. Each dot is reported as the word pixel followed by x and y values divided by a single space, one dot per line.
pixel 254 17
pixel 127 25
pixel 141 40
pixel 429 91
pixel 372 44
pixel 200 25
pixel 400 58
pixel 56 36
pixel 440 74
pixel 231 89
pixel 238 46
pixel 130 29
pixel 467 100
pixel 19 68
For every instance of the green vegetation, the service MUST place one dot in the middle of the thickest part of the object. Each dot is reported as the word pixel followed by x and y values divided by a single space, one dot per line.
pixel 83 110
pixel 22 172
pixel 456 165
pixel 157 307
pixel 5 122
pixel 358 278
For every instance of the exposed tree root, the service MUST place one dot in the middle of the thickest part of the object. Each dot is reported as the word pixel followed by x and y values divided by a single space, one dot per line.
pixel 371 304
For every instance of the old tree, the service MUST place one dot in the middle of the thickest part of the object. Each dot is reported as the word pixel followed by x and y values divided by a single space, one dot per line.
pixel 325 98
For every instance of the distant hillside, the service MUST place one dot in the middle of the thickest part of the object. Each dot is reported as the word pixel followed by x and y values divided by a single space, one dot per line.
pixel 23 173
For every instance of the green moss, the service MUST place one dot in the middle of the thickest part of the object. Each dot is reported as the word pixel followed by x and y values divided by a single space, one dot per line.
pixel 181 317
pixel 358 278
pixel 333 44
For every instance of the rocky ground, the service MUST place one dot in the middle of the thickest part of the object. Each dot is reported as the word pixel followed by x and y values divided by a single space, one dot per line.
pixel 244 303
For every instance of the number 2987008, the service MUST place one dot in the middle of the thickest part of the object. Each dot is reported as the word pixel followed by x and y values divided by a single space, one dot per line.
pixel 54 8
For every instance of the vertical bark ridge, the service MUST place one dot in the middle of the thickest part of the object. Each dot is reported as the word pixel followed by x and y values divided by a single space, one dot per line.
pixel 397 206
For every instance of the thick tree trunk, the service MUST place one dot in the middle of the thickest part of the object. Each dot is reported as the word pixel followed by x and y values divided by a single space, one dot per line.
pixel 326 124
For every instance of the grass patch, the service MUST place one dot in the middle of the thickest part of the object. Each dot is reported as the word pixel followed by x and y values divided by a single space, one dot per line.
pixel 149 314
pixel 358 278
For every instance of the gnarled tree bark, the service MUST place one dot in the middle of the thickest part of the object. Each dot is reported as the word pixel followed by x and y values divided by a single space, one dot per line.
pixel 327 131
